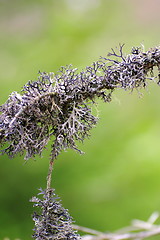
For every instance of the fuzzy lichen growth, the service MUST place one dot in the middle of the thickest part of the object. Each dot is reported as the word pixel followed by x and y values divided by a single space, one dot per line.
pixel 59 105
pixel 52 222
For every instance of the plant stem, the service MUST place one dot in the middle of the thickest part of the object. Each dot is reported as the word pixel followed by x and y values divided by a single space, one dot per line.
pixel 49 176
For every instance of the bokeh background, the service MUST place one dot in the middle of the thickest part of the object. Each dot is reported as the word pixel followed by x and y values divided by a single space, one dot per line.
pixel 118 177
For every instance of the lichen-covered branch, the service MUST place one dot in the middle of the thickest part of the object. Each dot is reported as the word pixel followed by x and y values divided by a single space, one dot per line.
pixel 58 106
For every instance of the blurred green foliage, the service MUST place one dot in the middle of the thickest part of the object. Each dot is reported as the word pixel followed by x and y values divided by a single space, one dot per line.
pixel 118 178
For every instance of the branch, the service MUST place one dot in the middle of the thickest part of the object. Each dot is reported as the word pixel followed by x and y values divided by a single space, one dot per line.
pixel 59 105
pixel 144 230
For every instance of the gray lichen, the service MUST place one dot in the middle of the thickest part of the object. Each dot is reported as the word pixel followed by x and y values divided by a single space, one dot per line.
pixel 52 221
pixel 58 106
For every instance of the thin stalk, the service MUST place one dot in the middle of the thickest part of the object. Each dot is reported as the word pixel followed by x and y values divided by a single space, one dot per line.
pixel 49 176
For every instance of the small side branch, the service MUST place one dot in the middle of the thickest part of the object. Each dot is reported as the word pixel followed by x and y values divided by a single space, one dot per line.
pixel 137 231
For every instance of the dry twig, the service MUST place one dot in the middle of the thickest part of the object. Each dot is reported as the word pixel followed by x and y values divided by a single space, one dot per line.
pixel 138 230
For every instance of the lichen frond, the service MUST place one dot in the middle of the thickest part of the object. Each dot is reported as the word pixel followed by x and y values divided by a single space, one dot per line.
pixel 52 221
pixel 59 106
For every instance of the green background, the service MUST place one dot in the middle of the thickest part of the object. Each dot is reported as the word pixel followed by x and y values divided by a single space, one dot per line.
pixel 118 177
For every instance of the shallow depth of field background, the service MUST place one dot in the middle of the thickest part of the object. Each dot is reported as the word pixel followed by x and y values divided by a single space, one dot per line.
pixel 118 177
